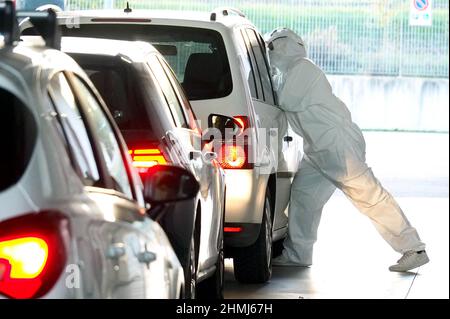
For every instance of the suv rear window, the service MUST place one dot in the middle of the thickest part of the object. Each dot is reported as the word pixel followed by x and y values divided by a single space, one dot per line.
pixel 197 56
pixel 118 83
pixel 18 132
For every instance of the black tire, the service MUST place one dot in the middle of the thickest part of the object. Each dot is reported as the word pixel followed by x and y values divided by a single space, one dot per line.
pixel 190 273
pixel 253 264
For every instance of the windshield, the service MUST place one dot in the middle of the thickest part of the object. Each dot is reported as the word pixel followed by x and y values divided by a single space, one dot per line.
pixel 197 56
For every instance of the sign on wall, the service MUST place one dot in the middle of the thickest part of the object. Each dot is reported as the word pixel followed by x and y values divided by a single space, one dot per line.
pixel 420 13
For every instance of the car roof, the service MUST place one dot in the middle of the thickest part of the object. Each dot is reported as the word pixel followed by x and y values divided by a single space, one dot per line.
pixel 136 51
pixel 157 17
pixel 22 62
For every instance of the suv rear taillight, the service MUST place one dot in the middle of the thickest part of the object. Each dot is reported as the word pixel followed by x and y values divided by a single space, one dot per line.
pixel 143 159
pixel 232 155
pixel 33 253
pixel 242 121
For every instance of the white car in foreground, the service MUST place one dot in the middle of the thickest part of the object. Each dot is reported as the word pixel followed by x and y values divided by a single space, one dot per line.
pixel 73 221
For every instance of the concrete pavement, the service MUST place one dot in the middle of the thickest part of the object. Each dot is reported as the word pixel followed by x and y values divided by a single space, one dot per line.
pixel 351 260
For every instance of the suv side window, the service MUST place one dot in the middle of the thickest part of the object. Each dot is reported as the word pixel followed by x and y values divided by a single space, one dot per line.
pixel 74 129
pixel 18 132
pixel 166 87
pixel 253 77
pixel 182 97
pixel 109 146
pixel 263 66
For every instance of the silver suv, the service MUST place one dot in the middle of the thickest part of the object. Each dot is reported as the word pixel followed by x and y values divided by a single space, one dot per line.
pixel 221 60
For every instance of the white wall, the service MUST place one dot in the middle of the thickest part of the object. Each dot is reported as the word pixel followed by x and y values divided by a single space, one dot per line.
pixel 395 102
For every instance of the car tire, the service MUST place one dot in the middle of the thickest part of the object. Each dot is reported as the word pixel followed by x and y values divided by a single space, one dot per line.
pixel 191 273
pixel 253 264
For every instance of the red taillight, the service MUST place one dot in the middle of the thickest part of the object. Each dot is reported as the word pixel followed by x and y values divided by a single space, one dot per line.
pixel 232 229
pixel 242 121
pixel 32 253
pixel 232 156
pixel 235 155
pixel 143 159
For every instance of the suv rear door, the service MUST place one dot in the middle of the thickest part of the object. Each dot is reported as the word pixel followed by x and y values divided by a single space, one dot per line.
pixel 269 116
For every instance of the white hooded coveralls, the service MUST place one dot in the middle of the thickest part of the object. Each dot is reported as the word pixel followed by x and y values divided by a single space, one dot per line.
pixel 334 157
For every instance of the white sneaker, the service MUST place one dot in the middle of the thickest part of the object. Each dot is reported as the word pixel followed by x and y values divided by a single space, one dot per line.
pixel 410 260
pixel 282 261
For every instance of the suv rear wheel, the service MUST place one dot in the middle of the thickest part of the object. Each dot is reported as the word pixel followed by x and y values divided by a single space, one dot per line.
pixel 253 264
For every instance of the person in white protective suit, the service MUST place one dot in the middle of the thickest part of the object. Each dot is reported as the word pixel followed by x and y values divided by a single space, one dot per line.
pixel 334 157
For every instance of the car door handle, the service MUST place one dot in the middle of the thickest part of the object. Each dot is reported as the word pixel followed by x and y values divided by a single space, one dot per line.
pixel 146 257
pixel 115 251
pixel 194 155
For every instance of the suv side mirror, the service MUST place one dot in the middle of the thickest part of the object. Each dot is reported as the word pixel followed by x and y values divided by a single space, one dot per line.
pixel 165 184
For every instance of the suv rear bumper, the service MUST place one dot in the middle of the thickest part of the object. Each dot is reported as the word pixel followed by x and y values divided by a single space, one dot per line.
pixel 244 206
pixel 244 238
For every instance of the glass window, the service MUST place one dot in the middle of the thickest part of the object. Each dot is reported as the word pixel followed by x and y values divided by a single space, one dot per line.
pixel 181 94
pixel 18 133
pixel 168 90
pixel 252 58
pixel 119 84
pixel 248 64
pixel 74 129
pixel 109 147
pixel 265 53
pixel 197 56
pixel 261 60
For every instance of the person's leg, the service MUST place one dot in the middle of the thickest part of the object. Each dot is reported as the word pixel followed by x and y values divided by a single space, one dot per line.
pixel 309 193
pixel 369 196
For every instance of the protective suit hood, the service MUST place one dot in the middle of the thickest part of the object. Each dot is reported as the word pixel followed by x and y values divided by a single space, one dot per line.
pixel 284 46
pixel 285 49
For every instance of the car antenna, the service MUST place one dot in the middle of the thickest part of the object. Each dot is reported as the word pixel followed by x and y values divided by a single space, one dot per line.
pixel 127 9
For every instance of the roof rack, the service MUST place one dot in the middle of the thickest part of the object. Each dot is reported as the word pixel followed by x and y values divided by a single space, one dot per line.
pixel 225 11
pixel 8 22
pixel 44 23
